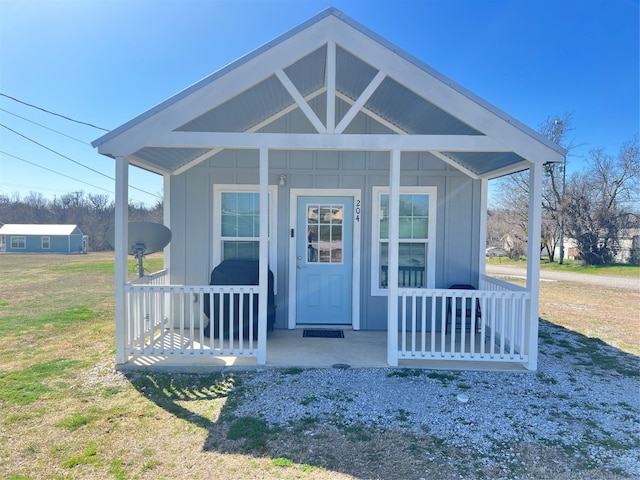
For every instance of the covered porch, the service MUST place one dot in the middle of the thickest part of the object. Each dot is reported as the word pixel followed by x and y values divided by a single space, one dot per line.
pixel 329 113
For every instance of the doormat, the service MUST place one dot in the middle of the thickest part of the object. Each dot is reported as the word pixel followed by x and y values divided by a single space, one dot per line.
pixel 323 333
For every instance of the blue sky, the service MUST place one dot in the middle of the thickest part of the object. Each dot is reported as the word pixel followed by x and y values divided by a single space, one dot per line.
pixel 106 61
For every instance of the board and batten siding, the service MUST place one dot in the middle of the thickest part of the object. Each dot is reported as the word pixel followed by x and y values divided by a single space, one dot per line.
pixel 192 197
pixel 192 214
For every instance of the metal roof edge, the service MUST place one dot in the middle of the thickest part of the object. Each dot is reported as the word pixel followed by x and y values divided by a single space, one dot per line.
pixel 365 31
pixel 214 76
pixel 448 81
pixel 51 228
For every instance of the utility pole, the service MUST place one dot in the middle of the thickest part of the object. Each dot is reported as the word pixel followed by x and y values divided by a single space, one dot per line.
pixel 558 132
pixel 564 182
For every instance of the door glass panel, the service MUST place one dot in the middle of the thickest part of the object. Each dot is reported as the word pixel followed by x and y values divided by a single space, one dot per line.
pixel 324 233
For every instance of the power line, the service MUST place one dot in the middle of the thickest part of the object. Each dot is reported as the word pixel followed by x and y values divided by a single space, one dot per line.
pixel 53 113
pixel 72 160
pixel 63 175
pixel 53 171
pixel 57 153
pixel 44 126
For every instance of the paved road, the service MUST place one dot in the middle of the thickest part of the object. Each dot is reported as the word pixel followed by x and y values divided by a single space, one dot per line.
pixel 631 283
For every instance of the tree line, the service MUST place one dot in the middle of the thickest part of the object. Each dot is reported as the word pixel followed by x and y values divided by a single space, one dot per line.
pixel 93 213
pixel 595 207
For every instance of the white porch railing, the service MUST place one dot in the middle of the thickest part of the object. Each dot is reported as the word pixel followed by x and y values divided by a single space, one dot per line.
pixel 169 320
pixel 488 324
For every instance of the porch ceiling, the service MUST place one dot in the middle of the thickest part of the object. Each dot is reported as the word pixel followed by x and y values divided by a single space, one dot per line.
pixel 329 72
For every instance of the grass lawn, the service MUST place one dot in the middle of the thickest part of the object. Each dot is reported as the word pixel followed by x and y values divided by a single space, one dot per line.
pixel 68 415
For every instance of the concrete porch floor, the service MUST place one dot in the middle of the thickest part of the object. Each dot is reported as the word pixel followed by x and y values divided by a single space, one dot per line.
pixel 288 348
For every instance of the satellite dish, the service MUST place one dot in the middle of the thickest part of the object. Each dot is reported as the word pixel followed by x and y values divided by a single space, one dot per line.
pixel 144 238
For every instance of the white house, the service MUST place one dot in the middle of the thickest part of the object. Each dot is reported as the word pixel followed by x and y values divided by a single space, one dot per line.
pixel 358 175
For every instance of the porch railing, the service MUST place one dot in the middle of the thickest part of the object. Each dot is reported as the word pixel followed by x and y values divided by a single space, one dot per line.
pixel 169 320
pixel 489 324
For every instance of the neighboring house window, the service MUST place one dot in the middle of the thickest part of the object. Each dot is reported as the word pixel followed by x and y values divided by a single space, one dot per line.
pixel 18 242
pixel 237 223
pixel 416 249
pixel 46 243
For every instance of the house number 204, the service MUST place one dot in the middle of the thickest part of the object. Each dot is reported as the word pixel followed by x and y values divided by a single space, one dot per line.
pixel 358 209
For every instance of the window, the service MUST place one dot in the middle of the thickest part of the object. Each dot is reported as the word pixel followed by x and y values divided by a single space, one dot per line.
pixel 324 233
pixel 46 243
pixel 416 227
pixel 236 231
pixel 18 242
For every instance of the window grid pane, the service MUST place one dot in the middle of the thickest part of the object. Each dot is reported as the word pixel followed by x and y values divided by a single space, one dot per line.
pixel 414 216
pixel 412 263
pixel 413 233
pixel 239 224
pixel 324 233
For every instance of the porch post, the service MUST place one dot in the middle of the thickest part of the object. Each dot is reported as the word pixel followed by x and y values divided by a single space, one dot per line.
pixel 533 261
pixel 121 229
pixel 482 237
pixel 166 214
pixel 392 273
pixel 264 256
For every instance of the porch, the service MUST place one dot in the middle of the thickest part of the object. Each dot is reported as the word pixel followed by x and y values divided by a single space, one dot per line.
pixel 289 349
pixel 166 325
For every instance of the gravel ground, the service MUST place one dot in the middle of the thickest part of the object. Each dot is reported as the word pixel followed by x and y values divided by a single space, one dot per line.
pixel 585 398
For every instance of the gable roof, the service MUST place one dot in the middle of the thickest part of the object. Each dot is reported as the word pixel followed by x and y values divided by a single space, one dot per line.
pixel 329 57
pixel 37 229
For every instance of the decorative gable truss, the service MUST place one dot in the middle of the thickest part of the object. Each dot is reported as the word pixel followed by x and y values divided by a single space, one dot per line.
pixel 323 93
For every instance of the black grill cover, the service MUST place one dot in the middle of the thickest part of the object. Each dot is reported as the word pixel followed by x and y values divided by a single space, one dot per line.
pixel 237 272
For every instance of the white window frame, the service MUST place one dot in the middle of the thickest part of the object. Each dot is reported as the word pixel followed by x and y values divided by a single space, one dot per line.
pixel 48 243
pixel 432 192
pixel 218 190
pixel 14 241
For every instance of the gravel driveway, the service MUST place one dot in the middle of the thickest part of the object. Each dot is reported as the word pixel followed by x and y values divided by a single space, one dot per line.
pixel 584 399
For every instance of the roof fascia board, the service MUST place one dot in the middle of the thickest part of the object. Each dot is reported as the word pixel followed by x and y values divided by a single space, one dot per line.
pixel 447 81
pixel 360 41
pixel 449 96
pixel 219 87
pixel 331 141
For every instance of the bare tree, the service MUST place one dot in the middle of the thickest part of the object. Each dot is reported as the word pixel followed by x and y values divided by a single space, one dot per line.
pixel 513 190
pixel 601 200
pixel 93 213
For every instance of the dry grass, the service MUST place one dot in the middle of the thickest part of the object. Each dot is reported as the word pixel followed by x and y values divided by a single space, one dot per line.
pixel 85 421
pixel 610 314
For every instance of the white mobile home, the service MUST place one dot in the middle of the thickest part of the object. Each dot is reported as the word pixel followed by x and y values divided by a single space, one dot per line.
pixel 42 238
pixel 357 175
